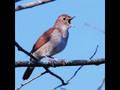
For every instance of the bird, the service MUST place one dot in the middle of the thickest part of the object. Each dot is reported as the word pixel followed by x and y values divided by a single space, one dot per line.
pixel 51 42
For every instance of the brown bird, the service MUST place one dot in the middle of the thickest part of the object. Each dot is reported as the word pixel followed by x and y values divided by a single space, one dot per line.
pixel 51 42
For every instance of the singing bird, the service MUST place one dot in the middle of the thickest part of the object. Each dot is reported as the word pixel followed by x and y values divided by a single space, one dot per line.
pixel 51 42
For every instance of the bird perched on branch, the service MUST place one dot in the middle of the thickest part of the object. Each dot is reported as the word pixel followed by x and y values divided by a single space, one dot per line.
pixel 51 42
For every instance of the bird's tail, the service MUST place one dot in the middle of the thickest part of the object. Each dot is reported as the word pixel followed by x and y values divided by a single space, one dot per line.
pixel 28 72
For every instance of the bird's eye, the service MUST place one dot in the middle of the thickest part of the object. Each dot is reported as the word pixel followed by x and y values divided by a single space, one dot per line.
pixel 64 18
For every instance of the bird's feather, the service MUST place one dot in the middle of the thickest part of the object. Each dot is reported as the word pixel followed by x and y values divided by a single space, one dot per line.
pixel 42 40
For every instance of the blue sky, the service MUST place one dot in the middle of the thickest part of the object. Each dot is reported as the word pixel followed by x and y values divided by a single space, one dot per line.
pixel 31 23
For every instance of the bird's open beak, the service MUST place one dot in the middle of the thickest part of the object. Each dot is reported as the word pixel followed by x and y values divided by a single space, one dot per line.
pixel 71 19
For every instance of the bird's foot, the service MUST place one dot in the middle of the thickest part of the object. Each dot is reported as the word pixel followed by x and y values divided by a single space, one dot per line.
pixel 63 62
pixel 52 60
pixel 49 59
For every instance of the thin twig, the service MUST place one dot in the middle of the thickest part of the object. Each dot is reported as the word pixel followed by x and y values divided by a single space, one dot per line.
pixel 101 85
pixel 74 74
pixel 23 50
pixel 83 65
pixel 94 27
pixel 55 75
pixel 32 4
pixel 76 71
pixel 59 86
pixel 22 85
pixel 94 53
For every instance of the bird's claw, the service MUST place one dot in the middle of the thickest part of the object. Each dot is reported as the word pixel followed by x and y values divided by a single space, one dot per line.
pixel 53 62
pixel 63 62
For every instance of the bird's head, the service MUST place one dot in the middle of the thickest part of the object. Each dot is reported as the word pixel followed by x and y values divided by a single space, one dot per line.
pixel 63 21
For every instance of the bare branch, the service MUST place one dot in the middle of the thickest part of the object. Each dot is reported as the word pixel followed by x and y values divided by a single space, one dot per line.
pixel 83 65
pixel 94 27
pixel 59 86
pixel 60 63
pixel 76 71
pixel 23 50
pixel 55 75
pixel 45 67
pixel 22 85
pixel 32 4
pixel 94 53
pixel 101 85
pixel 57 64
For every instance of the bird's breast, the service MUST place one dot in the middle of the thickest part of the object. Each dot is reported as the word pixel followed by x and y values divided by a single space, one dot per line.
pixel 59 42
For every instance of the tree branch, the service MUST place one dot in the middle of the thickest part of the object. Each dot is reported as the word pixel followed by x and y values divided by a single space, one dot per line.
pixel 32 4
pixel 76 71
pixel 94 27
pixel 55 75
pixel 45 67
pixel 21 49
pixel 60 63
pixel 101 84
pixel 22 85
pixel 82 65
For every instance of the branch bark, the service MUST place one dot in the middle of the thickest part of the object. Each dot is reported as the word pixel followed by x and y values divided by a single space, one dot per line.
pixel 101 84
pixel 75 73
pixel 32 4
pixel 60 63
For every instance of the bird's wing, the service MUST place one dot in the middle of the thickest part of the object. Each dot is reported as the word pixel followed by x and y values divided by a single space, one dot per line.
pixel 42 40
